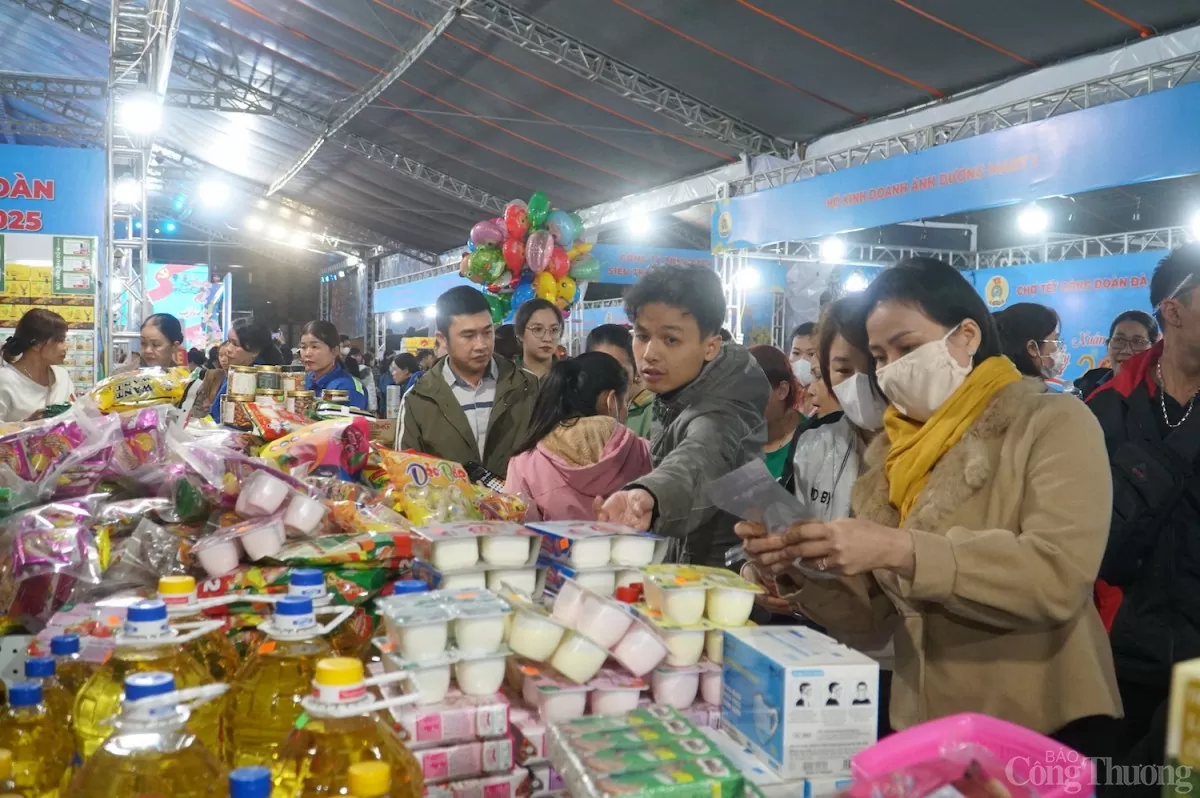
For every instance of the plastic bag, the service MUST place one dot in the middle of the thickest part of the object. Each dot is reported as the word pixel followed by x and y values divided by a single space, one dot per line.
pixel 272 422
pixel 427 489
pixel 131 390
pixel 501 506
pixel 327 448
pixel 963 771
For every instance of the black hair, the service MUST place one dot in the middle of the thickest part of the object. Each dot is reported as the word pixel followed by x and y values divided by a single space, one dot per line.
pixel 1018 325
pixel 36 327
pixel 833 686
pixel 424 353
pixel 214 357
pixel 939 291
pixel 1169 275
pixel 528 308
pixel 1137 317
pixel 726 335
pixel 343 339
pixel 406 361
pixel 325 332
pixel 166 324
pixel 695 290
pixel 462 300
pixel 507 344
pixel 570 392
pixel 195 358
pixel 842 317
pixel 253 336
pixel 616 335
pixel 805 329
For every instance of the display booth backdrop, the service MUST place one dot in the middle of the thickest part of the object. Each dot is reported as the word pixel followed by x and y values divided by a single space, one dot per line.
pixel 188 293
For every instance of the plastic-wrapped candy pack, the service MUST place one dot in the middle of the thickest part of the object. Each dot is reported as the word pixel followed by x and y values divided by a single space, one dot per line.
pixel 500 506
pixel 427 489
pixel 272 422
pixel 328 448
pixel 131 390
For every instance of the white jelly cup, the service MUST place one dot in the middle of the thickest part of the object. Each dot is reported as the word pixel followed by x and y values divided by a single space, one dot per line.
pixel 432 682
pixel 614 702
pixel 505 552
pixel 568 603
pixel 474 636
pixel 563 705
pixel 675 688
pixel 533 636
pixel 590 553
pixel 684 646
pixel 729 606
pixel 472 580
pixel 603 582
pixel 454 554
pixel 640 650
pixel 632 551
pixel 480 676
pixel 684 606
pixel 603 622
pixel 714 645
pixel 710 687
pixel 522 580
pixel 420 642
pixel 578 658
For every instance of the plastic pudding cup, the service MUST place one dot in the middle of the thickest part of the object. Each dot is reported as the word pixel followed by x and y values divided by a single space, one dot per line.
pixel 522 580
pixel 568 603
pixel 505 552
pixel 262 494
pixel 562 705
pixel 454 554
pixel 640 650
pixel 533 636
pixel 474 636
pixel 578 658
pixel 631 551
pixel 684 646
pixel 684 606
pixel 602 582
pixel 710 687
pixel 603 622
pixel 614 702
pixel 420 642
pixel 654 595
pixel 675 688
pixel 475 580
pixel 480 676
pixel 727 606
pixel 304 515
pixel 590 553
pixel 219 558
pixel 432 682
pixel 263 542
pixel 714 645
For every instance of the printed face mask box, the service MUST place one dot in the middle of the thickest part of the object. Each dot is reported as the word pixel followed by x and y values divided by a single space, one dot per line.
pixel 804 703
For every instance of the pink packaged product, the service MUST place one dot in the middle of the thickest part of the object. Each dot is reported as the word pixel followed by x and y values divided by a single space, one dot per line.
pixel 544 780
pixel 515 784
pixel 467 760
pixel 458 719
pixel 529 735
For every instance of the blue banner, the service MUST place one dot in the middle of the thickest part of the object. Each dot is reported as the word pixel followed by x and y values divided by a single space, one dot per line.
pixel 1132 141
pixel 1087 295
pixel 626 265
pixel 51 190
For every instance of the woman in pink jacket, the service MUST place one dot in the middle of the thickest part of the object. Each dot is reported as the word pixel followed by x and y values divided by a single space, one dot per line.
pixel 578 447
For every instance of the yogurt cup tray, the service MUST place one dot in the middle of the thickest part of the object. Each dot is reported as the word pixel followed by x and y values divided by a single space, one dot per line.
pixel 527 579
pixel 476 545
pixel 595 544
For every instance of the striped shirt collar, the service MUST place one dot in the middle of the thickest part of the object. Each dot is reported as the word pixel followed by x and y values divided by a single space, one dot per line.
pixel 453 380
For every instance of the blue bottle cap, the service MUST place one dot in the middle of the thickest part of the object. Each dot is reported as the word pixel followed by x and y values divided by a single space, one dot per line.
pixel 25 694
pixel 144 685
pixel 64 645
pixel 294 605
pixel 402 586
pixel 147 610
pixel 39 667
pixel 253 782
pixel 307 577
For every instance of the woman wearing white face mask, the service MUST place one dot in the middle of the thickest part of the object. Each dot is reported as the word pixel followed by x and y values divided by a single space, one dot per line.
pixel 578 446
pixel 981 517
pixel 1029 337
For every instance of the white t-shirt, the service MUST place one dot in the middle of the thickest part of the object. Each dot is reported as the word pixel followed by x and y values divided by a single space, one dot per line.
pixel 21 397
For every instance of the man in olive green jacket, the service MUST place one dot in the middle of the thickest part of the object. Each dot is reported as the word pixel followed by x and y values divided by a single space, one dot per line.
pixel 471 406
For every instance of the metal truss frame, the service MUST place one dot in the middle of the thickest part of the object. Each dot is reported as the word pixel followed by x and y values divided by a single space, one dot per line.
pixel 1102 91
pixel 551 44
pixel 857 254
pixel 259 91
pixel 1162 238
pixel 29 84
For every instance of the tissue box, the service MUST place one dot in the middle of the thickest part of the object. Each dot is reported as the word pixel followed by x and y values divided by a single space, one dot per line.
pixel 458 719
pixel 466 760
pixel 804 703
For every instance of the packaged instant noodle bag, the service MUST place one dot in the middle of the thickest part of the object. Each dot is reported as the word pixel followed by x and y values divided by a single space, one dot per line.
pixel 139 388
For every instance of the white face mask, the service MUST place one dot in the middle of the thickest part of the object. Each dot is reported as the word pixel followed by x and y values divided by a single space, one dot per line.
pixel 803 371
pixel 861 404
pixel 1060 360
pixel 345 350
pixel 921 381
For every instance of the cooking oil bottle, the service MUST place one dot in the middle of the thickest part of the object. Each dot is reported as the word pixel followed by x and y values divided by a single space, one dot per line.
pixel 264 700
pixel 40 744
pixel 215 649
pixel 370 780
pixel 70 667
pixel 351 637
pixel 339 728
pixel 151 752
pixel 253 782
pixel 147 642
pixel 7 785
pixel 55 695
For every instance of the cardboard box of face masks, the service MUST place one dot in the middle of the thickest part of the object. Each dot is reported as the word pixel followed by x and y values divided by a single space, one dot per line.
pixel 804 703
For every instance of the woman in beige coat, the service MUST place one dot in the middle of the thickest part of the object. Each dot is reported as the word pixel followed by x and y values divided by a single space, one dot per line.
pixel 979 524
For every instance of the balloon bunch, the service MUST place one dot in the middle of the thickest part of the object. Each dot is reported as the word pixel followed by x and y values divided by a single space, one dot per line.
pixel 530 251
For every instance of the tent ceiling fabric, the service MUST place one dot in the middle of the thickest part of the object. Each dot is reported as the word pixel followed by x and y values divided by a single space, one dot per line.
pixel 507 121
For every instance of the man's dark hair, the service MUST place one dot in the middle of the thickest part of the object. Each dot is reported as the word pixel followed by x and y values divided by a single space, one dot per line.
pixel 613 335
pixel 343 338
pixel 695 290
pixel 507 343
pixel 1137 317
pixel 528 308
pixel 726 336
pixel 406 361
pixel 1168 282
pixel 939 291
pixel 1018 325
pixel 195 358
pixel 424 353
pixel 803 330
pixel 462 300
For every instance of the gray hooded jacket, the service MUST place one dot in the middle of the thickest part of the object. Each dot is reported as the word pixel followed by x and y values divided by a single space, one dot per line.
pixel 704 431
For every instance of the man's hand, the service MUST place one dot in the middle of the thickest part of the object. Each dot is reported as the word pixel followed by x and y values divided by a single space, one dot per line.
pixel 633 507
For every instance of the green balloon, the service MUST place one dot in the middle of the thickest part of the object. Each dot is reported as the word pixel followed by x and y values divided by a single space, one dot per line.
pixel 586 268
pixel 499 305
pixel 538 209
pixel 479 265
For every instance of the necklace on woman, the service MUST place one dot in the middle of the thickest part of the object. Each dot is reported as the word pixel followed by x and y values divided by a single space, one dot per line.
pixel 1162 402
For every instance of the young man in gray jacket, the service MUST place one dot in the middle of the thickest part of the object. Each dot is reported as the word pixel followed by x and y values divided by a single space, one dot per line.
pixel 708 410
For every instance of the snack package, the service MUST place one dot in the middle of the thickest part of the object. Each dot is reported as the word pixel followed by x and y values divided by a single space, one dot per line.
pixel 377 549
pixel 271 422
pixel 348 585
pixel 131 390
pixel 331 448
pixel 143 440
pixel 426 489
pixel 495 506
pixel 354 519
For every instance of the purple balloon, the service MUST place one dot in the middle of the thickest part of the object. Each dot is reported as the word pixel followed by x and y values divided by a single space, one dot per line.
pixel 538 249
pixel 487 233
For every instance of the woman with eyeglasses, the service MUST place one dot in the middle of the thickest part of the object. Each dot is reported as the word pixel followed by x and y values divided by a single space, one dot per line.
pixel 539 325
pixel 1030 338
pixel 1131 333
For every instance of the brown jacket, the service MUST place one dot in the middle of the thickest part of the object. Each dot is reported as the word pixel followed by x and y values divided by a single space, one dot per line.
pixel 1008 536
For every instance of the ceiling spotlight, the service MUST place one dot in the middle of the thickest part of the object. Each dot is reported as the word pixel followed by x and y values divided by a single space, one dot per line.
pixel 1033 220
pixel 747 279
pixel 284 212
pixel 140 113
pixel 640 224
pixel 398 316
pixel 306 221
pixel 833 250
pixel 300 239
pixel 253 224
pixel 353 260
pixel 277 232
pixel 169 226
pixel 1194 225
pixel 341 273
pixel 431 312
pixel 127 190
pixel 855 283
pixel 213 193
pixel 262 204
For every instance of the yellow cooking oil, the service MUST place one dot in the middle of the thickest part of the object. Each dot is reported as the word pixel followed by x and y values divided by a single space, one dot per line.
pixel 349 638
pixel 264 700
pixel 215 650
pixel 146 643
pixel 41 746
pixel 55 696
pixel 72 670
pixel 340 728
pixel 7 785
pixel 370 780
pixel 151 753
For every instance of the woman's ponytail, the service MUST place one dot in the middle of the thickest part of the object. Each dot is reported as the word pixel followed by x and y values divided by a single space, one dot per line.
pixel 36 327
pixel 571 390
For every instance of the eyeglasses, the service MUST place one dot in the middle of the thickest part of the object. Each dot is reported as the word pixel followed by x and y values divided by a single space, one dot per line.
pixel 1119 342
pixel 538 331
